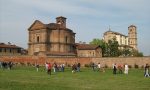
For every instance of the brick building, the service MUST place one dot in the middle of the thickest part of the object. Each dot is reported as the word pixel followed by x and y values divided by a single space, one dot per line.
pixel 8 49
pixel 88 50
pixel 53 39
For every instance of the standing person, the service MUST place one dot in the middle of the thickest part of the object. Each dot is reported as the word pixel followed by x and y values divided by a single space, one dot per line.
pixel 1 64
pixel 63 67
pixel 54 67
pixel 37 67
pixel 146 71
pixel 78 67
pixel 9 65
pixel 120 69
pixel 49 68
pixel 126 69
pixel 93 66
pixel 114 68
pixel 73 68
pixel 46 67
pixel 99 66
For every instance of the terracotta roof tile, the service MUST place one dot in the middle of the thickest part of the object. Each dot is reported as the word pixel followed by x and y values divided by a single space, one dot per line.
pixel 2 45
pixel 86 46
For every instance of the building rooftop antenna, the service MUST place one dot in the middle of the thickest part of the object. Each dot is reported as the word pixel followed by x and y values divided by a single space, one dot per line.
pixel 109 28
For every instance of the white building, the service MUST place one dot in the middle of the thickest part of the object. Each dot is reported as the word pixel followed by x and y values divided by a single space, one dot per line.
pixel 124 41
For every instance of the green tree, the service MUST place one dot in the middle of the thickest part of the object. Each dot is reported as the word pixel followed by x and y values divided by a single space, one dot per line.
pixel 135 53
pixel 112 49
pixel 126 52
pixel 101 43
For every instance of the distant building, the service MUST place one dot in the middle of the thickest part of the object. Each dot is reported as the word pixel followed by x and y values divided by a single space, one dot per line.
pixel 88 50
pixel 8 49
pixel 124 41
pixel 53 39
pixel 132 35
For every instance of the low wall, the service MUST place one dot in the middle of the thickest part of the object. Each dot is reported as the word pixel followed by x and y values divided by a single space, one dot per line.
pixel 140 61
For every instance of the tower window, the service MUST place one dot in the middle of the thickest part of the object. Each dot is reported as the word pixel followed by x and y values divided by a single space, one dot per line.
pixel 38 38
pixel 66 39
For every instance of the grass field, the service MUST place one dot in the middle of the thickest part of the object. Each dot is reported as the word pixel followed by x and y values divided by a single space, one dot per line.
pixel 26 78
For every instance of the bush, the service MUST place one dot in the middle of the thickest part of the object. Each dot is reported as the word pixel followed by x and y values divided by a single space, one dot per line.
pixel 105 66
pixel 22 64
pixel 142 66
pixel 28 64
pixel 86 65
pixel 130 66
pixel 136 66
pixel 68 65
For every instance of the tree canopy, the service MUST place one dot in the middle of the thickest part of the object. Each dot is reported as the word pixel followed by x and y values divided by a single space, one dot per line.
pixel 111 49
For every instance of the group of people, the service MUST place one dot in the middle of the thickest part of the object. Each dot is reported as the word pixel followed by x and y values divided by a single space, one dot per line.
pixel 76 67
pixel 55 67
pixel 97 67
pixel 126 68
pixel 120 68
pixel 48 67
pixel 6 65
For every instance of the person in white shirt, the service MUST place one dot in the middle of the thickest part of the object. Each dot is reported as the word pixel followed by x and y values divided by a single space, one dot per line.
pixel 126 69
pixel 99 66
pixel 46 66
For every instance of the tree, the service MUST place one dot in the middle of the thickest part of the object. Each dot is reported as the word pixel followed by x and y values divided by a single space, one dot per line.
pixel 135 53
pixel 125 52
pixel 112 49
pixel 101 43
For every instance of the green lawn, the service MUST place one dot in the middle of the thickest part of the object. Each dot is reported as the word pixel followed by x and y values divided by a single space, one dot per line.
pixel 26 78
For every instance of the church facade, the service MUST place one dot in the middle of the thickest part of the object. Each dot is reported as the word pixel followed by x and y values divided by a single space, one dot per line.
pixel 124 41
pixel 53 39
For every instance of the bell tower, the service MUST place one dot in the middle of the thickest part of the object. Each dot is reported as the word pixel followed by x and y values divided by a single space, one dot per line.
pixel 132 34
pixel 62 21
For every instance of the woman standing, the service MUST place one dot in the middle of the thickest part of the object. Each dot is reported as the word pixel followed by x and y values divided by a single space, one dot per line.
pixel 126 69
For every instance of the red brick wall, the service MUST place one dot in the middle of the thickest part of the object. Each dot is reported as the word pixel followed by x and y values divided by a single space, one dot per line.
pixel 70 60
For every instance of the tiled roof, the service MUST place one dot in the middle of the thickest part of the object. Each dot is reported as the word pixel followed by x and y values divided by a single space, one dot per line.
pixel 3 45
pixel 86 46
pixel 53 26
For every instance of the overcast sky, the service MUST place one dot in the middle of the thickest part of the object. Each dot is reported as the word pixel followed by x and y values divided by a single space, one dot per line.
pixel 87 18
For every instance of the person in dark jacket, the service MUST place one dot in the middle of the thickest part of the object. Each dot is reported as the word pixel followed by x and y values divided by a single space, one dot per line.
pixel 146 71
pixel 114 69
